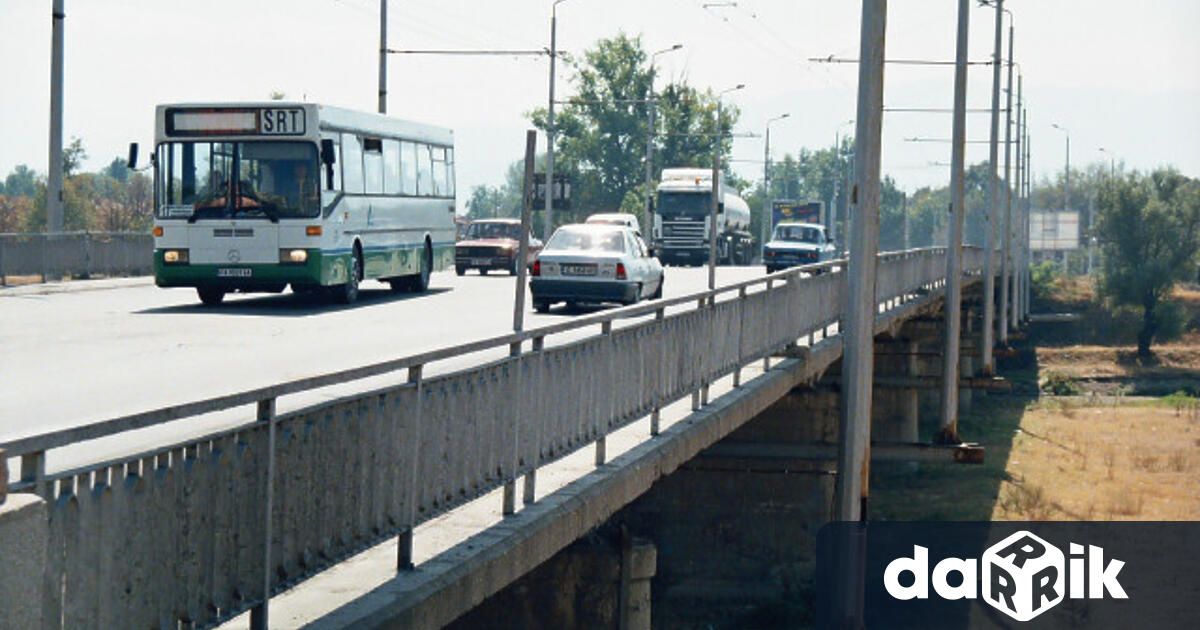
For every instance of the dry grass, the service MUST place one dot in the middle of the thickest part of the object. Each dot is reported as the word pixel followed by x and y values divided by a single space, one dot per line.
pixel 1132 462
pixel 1082 362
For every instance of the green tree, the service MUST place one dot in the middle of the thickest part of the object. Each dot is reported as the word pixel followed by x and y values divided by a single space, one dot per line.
pixel 118 170
pixel 601 135
pixel 1149 228
pixel 73 156
pixel 21 182
pixel 14 212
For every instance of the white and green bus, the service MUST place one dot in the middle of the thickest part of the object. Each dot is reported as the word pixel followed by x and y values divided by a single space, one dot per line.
pixel 254 197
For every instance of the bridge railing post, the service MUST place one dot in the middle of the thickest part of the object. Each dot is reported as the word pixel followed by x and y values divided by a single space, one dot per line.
pixel 33 471
pixel 655 413
pixel 529 490
pixel 404 546
pixel 259 615
pixel 737 370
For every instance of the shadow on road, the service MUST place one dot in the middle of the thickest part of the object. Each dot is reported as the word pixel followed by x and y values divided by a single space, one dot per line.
pixel 289 304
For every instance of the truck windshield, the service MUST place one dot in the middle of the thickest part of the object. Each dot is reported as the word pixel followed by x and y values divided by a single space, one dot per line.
pixel 797 234
pixel 272 180
pixel 690 205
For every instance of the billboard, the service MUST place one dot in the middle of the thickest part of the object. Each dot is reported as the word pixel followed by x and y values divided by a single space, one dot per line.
pixel 1056 230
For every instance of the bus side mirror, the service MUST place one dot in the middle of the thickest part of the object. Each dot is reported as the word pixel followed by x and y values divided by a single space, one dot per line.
pixel 133 151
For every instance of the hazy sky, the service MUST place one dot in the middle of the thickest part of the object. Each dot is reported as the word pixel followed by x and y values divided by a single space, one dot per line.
pixel 1119 75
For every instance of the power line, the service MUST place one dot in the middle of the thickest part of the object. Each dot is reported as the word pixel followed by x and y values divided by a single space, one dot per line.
pixel 901 62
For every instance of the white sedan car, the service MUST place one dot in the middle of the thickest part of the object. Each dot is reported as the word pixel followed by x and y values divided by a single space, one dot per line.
pixel 594 263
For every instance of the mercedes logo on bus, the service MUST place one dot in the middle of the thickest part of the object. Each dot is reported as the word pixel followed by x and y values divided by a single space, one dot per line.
pixel 234 256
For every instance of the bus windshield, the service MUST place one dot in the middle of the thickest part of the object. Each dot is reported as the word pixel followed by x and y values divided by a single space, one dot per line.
pixel 206 180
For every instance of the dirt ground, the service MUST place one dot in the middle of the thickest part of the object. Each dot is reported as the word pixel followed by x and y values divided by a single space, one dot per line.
pixel 1075 459
pixel 1090 432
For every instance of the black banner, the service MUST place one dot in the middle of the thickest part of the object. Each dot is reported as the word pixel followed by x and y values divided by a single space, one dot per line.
pixel 1010 575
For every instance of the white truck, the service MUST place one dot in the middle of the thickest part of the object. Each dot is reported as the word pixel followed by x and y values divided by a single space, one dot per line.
pixel 682 217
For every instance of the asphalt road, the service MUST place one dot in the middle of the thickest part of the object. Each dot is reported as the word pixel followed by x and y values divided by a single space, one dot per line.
pixel 84 352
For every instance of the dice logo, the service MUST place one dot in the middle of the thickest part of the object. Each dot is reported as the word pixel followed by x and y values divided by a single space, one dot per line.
pixel 1023 576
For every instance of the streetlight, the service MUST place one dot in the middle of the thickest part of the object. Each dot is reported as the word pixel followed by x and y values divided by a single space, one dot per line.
pixel 648 226
pixel 833 205
pixel 766 223
pixel 1067 174
pixel 1112 163
pixel 549 207
pixel 716 191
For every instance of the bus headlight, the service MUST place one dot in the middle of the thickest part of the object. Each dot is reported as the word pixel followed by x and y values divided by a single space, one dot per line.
pixel 175 256
pixel 293 256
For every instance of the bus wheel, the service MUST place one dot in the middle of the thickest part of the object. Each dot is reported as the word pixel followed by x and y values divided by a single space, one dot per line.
pixel 420 282
pixel 210 296
pixel 347 293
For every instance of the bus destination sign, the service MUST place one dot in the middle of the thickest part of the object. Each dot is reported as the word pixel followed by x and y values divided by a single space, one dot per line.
pixel 265 121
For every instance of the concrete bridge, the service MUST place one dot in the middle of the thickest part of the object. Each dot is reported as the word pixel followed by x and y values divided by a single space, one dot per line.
pixel 193 534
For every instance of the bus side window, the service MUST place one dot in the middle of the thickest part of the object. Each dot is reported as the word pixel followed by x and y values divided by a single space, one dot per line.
pixel 425 170
pixel 373 165
pixel 440 185
pixel 391 167
pixel 408 168
pixel 449 172
pixel 352 164
pixel 336 168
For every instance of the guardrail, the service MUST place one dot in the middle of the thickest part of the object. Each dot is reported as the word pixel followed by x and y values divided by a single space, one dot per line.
pixel 199 531
pixel 75 253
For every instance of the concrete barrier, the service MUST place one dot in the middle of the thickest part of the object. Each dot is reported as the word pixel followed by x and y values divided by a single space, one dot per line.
pixel 23 539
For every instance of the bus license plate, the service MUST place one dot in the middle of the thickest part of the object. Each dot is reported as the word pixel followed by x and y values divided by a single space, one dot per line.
pixel 234 273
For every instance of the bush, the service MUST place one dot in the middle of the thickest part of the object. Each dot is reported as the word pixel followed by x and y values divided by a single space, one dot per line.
pixel 1042 279
pixel 1060 384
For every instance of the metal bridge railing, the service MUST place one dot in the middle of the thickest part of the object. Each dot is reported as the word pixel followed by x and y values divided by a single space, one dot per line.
pixel 199 531
pixel 59 254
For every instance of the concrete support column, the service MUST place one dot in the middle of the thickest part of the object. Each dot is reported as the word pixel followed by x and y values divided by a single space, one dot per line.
pixel 969 364
pixel 638 565
pixel 896 410
pixel 24 540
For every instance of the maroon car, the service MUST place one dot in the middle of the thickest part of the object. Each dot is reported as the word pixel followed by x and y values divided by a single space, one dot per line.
pixel 492 244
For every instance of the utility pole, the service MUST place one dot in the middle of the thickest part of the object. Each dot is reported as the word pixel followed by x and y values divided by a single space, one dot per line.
pixel 1005 247
pixel 858 356
pixel 383 53
pixel 1028 209
pixel 523 247
pixel 953 308
pixel 860 308
pixel 766 223
pixel 717 193
pixel 648 226
pixel 549 207
pixel 1018 255
pixel 989 247
pixel 54 184
pixel 833 219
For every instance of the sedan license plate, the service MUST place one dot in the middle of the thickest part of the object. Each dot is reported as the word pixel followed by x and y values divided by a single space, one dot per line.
pixel 578 270
pixel 481 261
pixel 234 273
